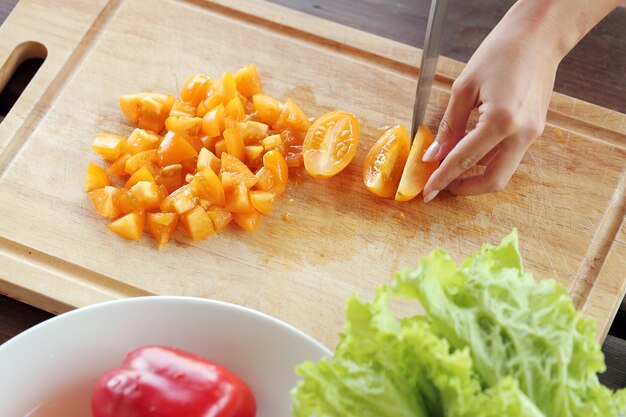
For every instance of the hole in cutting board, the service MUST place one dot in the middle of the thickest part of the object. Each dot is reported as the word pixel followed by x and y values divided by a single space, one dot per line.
pixel 17 72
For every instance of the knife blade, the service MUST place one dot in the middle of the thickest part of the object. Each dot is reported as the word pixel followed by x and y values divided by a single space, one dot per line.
pixel 432 48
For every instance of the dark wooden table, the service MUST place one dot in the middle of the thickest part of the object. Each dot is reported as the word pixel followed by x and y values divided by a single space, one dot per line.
pixel 594 71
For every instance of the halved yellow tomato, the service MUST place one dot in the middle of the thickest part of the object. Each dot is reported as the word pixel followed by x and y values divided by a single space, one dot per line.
pixel 330 144
pixel 384 163
pixel 416 172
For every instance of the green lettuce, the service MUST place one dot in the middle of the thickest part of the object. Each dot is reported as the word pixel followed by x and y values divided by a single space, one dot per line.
pixel 493 343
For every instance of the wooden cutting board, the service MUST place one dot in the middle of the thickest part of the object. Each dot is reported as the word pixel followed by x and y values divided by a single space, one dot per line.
pixel 567 199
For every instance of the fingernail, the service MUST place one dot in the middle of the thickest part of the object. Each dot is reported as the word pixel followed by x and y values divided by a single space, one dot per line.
pixel 431 194
pixel 431 152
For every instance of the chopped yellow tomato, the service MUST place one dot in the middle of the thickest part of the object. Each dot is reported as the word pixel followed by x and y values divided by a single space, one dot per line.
pixel 234 112
pixel 272 142
pixel 262 201
pixel 233 139
pixel 213 121
pixel 248 221
pixel 206 185
pixel 248 81
pixel 267 108
pixel 238 199
pixel 239 171
pixel 197 223
pixel 265 180
pixel 292 143
pixel 129 226
pixel 109 146
pixel 184 125
pixel 175 149
pixel 200 171
pixel 141 140
pixel 292 117
pixel 118 168
pixel 384 163
pixel 148 159
pixel 180 201
pixel 182 109
pixel 171 177
pixel 275 163
pixel 103 200
pixel 220 217
pixel 195 89
pixel 161 226
pixel 96 178
pixel 142 174
pixel 330 144
pixel 416 172
pixel 207 159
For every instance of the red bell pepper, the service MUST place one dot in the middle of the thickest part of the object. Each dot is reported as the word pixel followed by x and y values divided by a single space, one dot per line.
pixel 158 381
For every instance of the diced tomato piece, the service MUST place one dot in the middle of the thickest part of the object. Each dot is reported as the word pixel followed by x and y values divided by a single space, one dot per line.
pixel 265 181
pixel 228 181
pixel 238 200
pixel 277 166
pixel 118 168
pixel 272 142
pixel 248 221
pixel 141 140
pixel 197 223
pixel 293 141
pixel 180 201
pixel 155 108
pixel 161 226
pixel 267 108
pixel 96 178
pixel 213 121
pixel 234 112
pixel 195 89
pixel 171 177
pixel 175 149
pixel 207 159
pixel 253 132
pixel 103 200
pixel 233 138
pixel 254 155
pixel 129 226
pixel 238 169
pixel 148 159
pixel 109 146
pixel 206 185
pixel 292 117
pixel 220 148
pixel 181 109
pixel 227 88
pixel 147 195
pixel 131 106
pixel 186 126
pixel 248 81
pixel 262 201
pixel 220 217
pixel 142 174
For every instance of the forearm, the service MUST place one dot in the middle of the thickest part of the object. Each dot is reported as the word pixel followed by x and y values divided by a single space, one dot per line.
pixel 558 24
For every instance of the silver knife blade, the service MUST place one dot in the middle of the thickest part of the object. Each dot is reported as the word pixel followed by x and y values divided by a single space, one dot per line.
pixel 430 53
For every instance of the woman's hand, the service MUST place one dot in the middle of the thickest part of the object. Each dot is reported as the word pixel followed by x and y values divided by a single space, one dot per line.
pixel 509 79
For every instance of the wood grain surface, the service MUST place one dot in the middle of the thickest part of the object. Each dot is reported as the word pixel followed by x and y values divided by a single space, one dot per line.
pixel 17 321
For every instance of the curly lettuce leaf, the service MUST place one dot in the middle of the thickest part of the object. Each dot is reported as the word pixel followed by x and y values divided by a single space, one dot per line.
pixel 386 366
pixel 514 327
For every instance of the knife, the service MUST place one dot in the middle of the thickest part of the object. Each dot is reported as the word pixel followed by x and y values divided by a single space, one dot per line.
pixel 428 67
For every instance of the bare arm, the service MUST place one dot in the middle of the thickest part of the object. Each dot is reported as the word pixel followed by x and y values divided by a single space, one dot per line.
pixel 509 79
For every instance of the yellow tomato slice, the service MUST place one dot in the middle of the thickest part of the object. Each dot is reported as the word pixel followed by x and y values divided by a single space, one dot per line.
pixel 384 163
pixel 416 172
pixel 330 144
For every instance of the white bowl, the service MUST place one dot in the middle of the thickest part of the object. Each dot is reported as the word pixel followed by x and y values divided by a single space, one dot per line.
pixel 74 349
